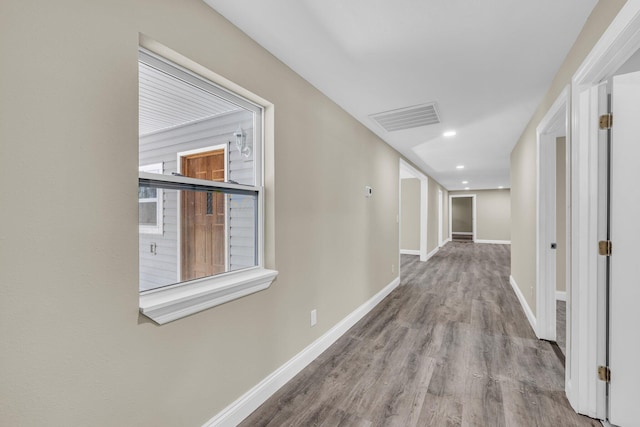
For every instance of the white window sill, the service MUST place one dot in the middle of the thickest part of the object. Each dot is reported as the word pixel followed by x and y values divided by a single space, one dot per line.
pixel 154 230
pixel 175 302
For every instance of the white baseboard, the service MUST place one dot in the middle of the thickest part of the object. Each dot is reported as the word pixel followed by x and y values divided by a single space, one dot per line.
pixel 464 233
pixel 446 241
pixel 523 302
pixel 561 295
pixel 409 252
pixel 494 242
pixel 432 253
pixel 237 411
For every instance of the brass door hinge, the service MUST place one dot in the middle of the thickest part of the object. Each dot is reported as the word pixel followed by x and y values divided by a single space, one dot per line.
pixel 606 121
pixel 604 247
pixel 604 374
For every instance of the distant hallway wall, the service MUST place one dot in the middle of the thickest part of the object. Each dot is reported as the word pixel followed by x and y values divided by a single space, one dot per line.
pixel 493 214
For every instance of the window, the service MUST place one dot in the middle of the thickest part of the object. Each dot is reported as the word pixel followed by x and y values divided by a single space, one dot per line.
pixel 199 192
pixel 150 215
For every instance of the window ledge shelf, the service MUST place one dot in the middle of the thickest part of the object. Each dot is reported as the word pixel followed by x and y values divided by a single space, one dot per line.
pixel 172 303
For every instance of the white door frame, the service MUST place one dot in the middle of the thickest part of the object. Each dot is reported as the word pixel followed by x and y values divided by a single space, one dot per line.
pixel 620 41
pixel 424 204
pixel 440 217
pixel 553 125
pixel 473 213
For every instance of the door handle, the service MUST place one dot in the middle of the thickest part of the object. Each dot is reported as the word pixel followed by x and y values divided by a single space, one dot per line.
pixel 554 245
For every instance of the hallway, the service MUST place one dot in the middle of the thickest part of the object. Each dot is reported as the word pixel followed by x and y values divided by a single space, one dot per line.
pixel 450 346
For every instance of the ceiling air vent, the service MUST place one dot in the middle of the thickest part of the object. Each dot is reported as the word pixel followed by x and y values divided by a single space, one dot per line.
pixel 407 118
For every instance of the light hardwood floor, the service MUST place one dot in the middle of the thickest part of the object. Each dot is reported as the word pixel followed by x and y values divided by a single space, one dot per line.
pixel 561 325
pixel 450 347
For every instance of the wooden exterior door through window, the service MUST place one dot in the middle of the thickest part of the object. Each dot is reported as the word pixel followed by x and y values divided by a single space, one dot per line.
pixel 203 218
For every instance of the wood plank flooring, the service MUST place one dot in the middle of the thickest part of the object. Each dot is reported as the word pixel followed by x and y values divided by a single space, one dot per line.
pixel 450 347
pixel 561 325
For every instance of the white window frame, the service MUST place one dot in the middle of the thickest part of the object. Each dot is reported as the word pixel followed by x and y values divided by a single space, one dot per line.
pixel 173 302
pixel 158 200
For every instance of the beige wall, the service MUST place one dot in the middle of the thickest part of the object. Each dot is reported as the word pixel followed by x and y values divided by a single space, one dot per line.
pixel 462 215
pixel 523 156
pixel 493 214
pixel 410 238
pixel 561 214
pixel 410 214
pixel 75 351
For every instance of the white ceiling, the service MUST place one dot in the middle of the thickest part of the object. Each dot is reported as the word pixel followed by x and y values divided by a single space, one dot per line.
pixel 486 64
pixel 164 101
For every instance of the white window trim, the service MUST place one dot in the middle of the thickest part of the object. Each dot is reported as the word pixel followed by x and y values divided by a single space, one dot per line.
pixel 159 200
pixel 174 302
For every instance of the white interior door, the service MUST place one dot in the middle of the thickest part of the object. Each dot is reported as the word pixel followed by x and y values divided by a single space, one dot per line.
pixel 624 312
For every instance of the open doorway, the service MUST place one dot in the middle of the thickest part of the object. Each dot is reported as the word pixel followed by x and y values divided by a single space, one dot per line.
pixel 412 220
pixel 561 244
pixel 462 217
pixel 552 230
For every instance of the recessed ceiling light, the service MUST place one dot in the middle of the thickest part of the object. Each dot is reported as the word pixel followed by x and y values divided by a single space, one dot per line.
pixel 449 133
pixel 465 182
pixel 466 188
pixel 501 187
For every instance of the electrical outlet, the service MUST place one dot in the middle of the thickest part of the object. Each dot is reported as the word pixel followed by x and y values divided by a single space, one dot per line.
pixel 314 317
